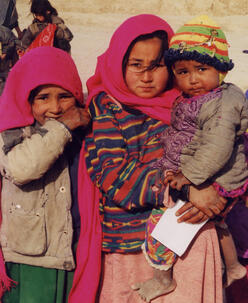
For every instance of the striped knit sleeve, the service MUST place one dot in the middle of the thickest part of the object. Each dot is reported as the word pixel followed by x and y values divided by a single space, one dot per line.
pixel 123 177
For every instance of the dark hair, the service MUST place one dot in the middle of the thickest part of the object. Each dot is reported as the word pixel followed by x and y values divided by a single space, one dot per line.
pixel 41 7
pixel 33 93
pixel 163 36
pixel 173 55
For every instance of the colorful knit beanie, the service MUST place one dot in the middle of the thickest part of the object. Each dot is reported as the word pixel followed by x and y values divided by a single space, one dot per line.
pixel 201 40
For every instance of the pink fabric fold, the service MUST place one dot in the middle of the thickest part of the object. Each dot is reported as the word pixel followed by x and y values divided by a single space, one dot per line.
pixel 88 256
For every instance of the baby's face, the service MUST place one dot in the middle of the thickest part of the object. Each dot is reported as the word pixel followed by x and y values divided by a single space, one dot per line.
pixel 195 78
pixel 51 102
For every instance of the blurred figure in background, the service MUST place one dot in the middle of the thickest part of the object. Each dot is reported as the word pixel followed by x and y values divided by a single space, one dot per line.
pixel 9 16
pixel 8 54
pixel 47 28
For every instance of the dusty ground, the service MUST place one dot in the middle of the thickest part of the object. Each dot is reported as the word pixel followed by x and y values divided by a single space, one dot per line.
pixel 93 22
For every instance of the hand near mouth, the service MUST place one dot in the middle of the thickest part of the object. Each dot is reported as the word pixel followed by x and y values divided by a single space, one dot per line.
pixel 75 117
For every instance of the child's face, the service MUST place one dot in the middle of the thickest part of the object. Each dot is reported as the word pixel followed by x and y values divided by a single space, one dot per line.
pixel 141 82
pixel 51 101
pixel 39 17
pixel 195 78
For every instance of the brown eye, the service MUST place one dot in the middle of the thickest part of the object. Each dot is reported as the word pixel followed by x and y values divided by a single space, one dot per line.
pixel 41 97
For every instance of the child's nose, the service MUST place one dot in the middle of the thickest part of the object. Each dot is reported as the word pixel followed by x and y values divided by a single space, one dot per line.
pixel 193 78
pixel 55 106
pixel 147 76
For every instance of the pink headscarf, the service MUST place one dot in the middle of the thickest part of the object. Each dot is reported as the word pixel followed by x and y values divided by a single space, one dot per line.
pixel 40 66
pixel 108 76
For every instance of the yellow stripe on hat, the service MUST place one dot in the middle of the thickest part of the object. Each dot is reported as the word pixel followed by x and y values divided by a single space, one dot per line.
pixel 201 35
pixel 197 39
pixel 203 20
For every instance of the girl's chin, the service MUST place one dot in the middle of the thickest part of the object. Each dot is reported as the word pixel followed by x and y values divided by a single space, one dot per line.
pixel 147 94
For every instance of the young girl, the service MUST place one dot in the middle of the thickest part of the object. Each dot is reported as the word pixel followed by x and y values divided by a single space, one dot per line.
pixel 47 21
pixel 42 127
pixel 130 103
pixel 204 142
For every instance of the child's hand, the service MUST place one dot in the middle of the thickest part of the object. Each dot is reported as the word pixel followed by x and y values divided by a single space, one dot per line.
pixel 3 56
pixel 190 214
pixel 205 203
pixel 207 199
pixel 176 180
pixel 75 117
pixel 20 52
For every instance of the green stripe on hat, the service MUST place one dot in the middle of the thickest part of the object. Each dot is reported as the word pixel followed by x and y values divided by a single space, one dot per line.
pixel 201 30
pixel 201 39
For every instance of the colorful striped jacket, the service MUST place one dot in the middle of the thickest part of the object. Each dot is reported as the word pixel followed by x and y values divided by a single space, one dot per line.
pixel 119 153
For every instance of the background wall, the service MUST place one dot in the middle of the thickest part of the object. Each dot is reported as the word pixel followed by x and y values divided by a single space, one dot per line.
pixel 93 22
pixel 174 7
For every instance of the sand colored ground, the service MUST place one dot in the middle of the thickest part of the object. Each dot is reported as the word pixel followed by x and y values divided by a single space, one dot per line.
pixel 93 22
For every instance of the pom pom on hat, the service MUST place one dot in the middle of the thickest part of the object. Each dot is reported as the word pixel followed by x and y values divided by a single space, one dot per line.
pixel 201 40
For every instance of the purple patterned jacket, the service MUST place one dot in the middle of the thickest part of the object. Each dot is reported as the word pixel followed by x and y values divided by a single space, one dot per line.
pixel 205 139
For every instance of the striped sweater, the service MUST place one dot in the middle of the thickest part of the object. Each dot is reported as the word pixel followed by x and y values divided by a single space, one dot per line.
pixel 119 152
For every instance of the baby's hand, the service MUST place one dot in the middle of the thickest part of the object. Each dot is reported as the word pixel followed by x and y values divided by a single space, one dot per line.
pixel 206 200
pixel 20 52
pixel 176 179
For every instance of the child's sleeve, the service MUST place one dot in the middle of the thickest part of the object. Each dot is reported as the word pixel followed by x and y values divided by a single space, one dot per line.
pixel 220 124
pixel 63 32
pixel 7 39
pixel 35 154
pixel 63 36
pixel 27 38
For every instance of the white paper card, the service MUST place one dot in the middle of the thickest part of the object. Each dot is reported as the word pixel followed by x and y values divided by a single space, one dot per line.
pixel 176 236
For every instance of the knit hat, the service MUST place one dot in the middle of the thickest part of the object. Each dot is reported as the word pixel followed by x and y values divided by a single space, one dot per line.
pixel 201 40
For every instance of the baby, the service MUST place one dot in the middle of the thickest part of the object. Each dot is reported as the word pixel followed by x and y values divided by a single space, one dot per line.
pixel 204 143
